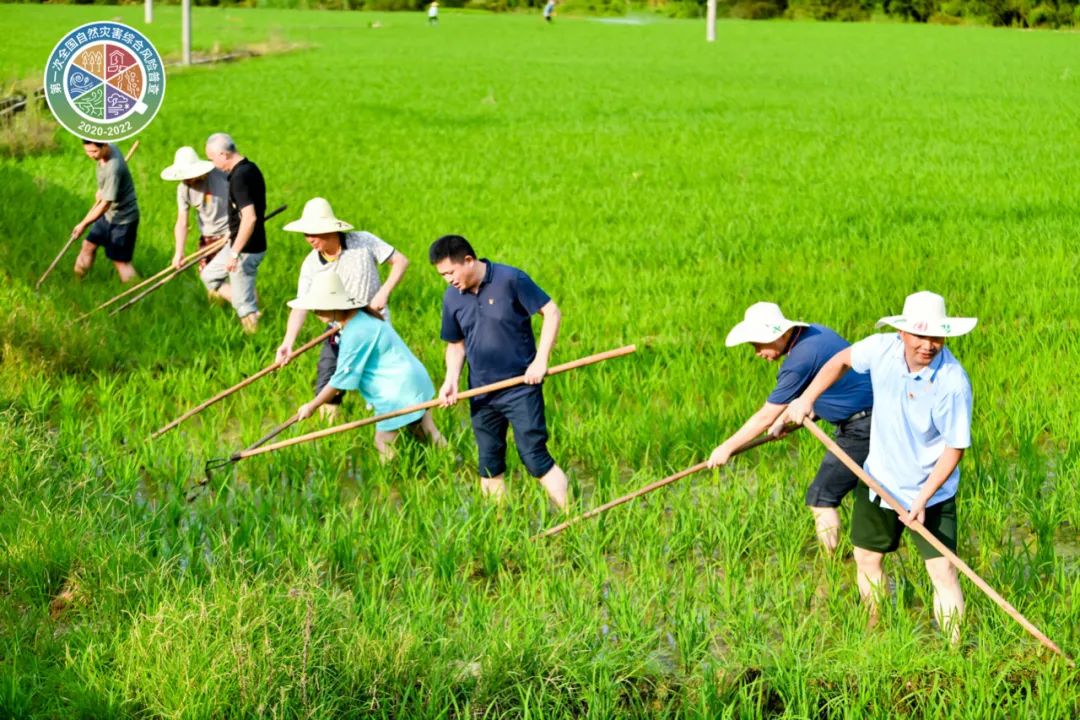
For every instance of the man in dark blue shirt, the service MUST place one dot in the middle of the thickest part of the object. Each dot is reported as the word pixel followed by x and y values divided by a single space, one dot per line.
pixel 486 320
pixel 846 404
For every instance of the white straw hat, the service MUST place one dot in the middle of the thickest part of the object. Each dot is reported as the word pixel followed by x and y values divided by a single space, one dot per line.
pixel 762 323
pixel 327 292
pixel 317 219
pixel 186 165
pixel 924 314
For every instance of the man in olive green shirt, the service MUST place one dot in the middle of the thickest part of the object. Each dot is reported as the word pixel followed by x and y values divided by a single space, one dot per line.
pixel 114 218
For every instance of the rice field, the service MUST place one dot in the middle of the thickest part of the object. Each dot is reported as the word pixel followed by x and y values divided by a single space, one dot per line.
pixel 655 187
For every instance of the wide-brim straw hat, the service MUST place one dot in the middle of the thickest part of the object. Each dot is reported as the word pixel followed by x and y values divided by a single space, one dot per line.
pixel 186 166
pixel 924 314
pixel 317 219
pixel 327 292
pixel 762 323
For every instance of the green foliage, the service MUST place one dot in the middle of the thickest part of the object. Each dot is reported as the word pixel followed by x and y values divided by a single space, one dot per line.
pixel 655 186
pixel 843 10
pixel 758 9
pixel 916 10
pixel 1043 15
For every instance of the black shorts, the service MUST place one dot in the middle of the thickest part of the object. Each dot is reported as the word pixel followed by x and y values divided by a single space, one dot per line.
pixel 878 528
pixel 521 407
pixel 328 366
pixel 833 480
pixel 118 240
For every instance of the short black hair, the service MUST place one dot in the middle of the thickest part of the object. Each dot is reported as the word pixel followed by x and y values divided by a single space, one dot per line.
pixel 454 247
pixel 87 141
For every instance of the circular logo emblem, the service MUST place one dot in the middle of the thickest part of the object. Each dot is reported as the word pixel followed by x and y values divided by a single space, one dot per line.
pixel 104 81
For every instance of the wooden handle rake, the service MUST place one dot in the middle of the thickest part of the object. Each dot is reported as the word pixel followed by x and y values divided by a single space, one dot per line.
pixel 170 272
pixel 195 256
pixel 242 384
pixel 67 245
pixel 555 530
pixel 918 527
pixel 493 387
pixel 218 463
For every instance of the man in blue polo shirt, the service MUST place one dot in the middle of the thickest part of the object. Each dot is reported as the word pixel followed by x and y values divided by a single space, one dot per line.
pixel 920 429
pixel 806 348
pixel 486 320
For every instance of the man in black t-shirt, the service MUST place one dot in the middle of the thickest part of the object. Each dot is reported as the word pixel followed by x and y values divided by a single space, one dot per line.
pixel 238 262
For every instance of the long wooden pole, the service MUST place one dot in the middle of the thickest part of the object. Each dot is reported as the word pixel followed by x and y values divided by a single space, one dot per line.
pixel 189 262
pixel 171 273
pixel 555 530
pixel 63 250
pixel 197 255
pixel 918 527
pixel 242 384
pixel 493 387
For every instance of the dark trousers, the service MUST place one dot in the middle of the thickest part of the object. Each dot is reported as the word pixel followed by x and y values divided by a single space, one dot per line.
pixel 522 408
pixel 328 366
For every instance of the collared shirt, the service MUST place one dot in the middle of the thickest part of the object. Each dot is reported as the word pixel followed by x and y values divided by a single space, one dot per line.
pixel 813 347
pixel 357 265
pixel 211 203
pixel 115 185
pixel 916 416
pixel 494 323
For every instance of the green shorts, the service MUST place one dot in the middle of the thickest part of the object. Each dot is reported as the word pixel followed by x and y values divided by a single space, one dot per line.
pixel 878 529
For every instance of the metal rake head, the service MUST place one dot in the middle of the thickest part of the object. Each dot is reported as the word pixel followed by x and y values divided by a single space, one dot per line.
pixel 215 464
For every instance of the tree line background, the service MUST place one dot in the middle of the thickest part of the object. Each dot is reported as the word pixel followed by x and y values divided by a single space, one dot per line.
pixel 1007 13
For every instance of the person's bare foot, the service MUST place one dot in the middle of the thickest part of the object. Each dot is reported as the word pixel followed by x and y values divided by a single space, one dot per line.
pixel 250 323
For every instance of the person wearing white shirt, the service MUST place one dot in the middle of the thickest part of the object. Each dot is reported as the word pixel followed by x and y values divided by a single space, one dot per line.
pixel 920 429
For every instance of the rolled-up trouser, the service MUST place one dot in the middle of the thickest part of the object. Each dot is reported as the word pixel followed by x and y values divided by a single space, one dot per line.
pixel 245 300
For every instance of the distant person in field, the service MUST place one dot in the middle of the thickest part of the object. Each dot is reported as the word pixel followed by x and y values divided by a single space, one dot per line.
pixel 238 262
pixel 355 257
pixel 920 429
pixel 549 11
pixel 433 13
pixel 113 219
pixel 486 321
pixel 805 348
pixel 205 189
pixel 372 360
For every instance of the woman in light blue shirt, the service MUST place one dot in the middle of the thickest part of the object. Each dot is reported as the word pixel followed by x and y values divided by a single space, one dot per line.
pixel 374 360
